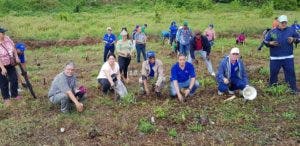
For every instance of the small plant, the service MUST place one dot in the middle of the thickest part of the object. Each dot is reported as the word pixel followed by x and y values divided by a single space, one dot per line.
pixel 195 127
pixel 290 115
pixel 145 126
pixel 207 82
pixel 181 116
pixel 172 132
pixel 277 90
pixel 264 71
pixel 129 98
pixel 160 112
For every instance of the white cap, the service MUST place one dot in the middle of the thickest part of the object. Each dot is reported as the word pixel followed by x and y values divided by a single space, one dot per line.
pixel 123 32
pixel 235 50
pixel 283 18
pixel 108 28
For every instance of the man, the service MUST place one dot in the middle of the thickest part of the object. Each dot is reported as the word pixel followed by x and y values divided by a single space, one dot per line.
pixel 264 34
pixel 140 44
pixel 184 36
pixel 200 45
pixel 275 23
pixel 280 41
pixel 63 90
pixel 231 74
pixel 173 30
pixel 183 77
pixel 152 69
pixel 21 54
pixel 109 39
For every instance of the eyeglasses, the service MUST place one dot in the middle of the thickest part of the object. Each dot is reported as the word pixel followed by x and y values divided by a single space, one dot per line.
pixel 235 54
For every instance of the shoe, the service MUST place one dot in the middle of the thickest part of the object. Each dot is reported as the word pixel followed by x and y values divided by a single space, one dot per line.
pixel 220 93
pixel 213 74
pixel 230 92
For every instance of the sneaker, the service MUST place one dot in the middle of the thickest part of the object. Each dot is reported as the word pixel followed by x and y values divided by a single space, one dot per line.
pixel 220 93
pixel 230 92
pixel 213 74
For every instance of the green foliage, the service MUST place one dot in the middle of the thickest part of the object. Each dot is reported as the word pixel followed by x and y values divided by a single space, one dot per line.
pixel 172 132
pixel 181 116
pixel 285 4
pixel 278 90
pixel 289 115
pixel 145 126
pixel 160 112
pixel 195 127
pixel 129 98
pixel 264 71
pixel 235 4
pixel 207 82
pixel 267 10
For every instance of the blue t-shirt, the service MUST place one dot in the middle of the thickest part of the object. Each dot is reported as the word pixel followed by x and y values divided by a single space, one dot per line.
pixel 151 69
pixel 182 75
pixel 22 56
pixel 109 39
pixel 234 70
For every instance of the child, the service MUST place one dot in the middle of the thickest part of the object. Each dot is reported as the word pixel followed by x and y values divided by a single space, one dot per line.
pixel 20 47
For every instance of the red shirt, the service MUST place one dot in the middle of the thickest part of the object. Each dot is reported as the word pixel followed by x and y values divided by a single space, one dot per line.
pixel 198 44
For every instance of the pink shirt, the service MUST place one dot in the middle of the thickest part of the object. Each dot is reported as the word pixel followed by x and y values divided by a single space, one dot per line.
pixel 210 34
pixel 9 46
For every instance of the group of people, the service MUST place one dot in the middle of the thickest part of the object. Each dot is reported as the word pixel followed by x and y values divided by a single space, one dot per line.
pixel 231 75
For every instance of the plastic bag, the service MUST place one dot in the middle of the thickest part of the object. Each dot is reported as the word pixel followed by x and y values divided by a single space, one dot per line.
pixel 120 89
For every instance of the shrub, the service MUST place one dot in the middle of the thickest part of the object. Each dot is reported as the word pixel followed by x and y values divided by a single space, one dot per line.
pixel 285 4
pixel 267 10
pixel 145 126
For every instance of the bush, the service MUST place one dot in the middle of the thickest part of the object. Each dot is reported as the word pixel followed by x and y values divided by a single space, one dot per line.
pixel 267 10
pixel 285 4
pixel 145 126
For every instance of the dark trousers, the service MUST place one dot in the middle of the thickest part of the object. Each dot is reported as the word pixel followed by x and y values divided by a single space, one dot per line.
pixel 235 84
pixel 124 63
pixel 105 85
pixel 140 48
pixel 108 49
pixel 172 38
pixel 10 79
pixel 289 72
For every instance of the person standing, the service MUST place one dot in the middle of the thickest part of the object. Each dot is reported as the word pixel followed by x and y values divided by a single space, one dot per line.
pixel 210 34
pixel 140 43
pixel 275 23
pixel 280 41
pixel 124 51
pixel 109 40
pixel 184 36
pixel 8 76
pixel 173 30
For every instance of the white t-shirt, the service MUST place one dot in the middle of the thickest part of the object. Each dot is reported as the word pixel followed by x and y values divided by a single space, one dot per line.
pixel 106 67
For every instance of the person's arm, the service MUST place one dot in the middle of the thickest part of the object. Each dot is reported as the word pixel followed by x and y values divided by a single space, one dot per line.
pixel 221 71
pixel 79 106
pixel 206 45
pixel 176 86
pixel 244 73
pixel 105 39
pixel 109 78
pixel 3 69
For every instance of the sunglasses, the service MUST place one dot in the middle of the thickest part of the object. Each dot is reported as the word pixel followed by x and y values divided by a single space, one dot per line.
pixel 235 54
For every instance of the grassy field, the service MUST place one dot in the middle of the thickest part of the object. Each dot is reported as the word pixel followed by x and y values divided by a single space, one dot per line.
pixel 271 119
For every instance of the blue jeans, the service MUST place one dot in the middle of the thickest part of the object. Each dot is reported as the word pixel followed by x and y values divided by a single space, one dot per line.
pixel 185 49
pixel 108 49
pixel 185 84
pixel 140 48
pixel 289 72
pixel 203 55
pixel 234 84
pixel 172 38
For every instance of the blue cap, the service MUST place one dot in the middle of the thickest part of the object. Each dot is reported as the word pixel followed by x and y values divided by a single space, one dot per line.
pixel 150 54
pixel 21 46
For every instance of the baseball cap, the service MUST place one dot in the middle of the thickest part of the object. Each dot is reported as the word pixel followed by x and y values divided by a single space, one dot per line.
pixel 108 28
pixel 235 50
pixel 2 30
pixel 282 18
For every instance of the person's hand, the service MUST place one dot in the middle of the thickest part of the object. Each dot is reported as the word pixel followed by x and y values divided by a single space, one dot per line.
pixel 112 84
pixel 226 81
pixel 79 107
pixel 273 43
pixel 3 71
pixel 180 97
pixel 290 40
pixel 187 92
pixel 18 60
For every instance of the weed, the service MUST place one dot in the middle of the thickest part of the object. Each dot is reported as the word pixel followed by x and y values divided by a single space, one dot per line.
pixel 145 126
pixel 181 116
pixel 195 127
pixel 129 99
pixel 172 132
pixel 264 71
pixel 289 115
pixel 160 112
pixel 277 90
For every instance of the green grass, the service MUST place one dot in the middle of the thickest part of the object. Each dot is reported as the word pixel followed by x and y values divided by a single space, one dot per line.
pixel 172 132
pixel 145 126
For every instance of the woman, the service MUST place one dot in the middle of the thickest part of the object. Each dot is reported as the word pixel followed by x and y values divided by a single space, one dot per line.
pixel 210 34
pixel 109 73
pixel 140 40
pixel 8 72
pixel 124 50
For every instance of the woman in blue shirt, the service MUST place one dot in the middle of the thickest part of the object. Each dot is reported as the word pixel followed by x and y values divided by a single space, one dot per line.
pixel 109 40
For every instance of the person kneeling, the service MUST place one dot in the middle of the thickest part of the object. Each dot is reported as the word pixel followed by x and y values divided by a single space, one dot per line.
pixel 183 77
pixel 232 74
pixel 63 90
pixel 109 77
pixel 152 69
